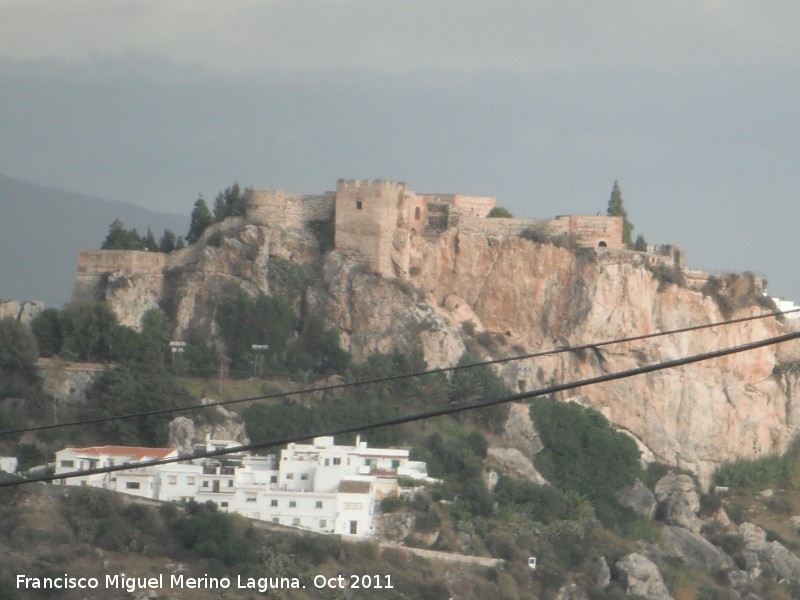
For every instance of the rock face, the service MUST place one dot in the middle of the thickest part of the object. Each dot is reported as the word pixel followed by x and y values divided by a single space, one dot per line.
pixel 639 498
pixel 496 294
pixel 695 550
pixel 184 434
pixel 24 312
pixel 759 553
pixel 678 501
pixel 641 577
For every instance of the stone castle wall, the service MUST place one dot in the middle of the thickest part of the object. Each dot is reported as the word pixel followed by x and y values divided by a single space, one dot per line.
pixel 289 211
pixel 594 231
pixel 96 266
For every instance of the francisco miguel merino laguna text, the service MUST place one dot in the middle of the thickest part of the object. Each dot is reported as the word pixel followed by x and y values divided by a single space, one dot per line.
pixel 262 584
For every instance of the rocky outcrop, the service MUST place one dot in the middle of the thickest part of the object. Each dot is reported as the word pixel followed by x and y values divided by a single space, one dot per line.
pixel 678 502
pixel 185 433
pixel 758 554
pixel 641 577
pixel 637 497
pixel 516 296
pixel 514 463
pixel 695 550
pixel 24 312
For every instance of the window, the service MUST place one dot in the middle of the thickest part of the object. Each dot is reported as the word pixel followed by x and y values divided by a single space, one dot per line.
pixel 67 463
pixel 205 484
pixel 417 213
pixel 359 205
pixel 304 477
pixel 132 485
pixel 223 504
pixel 172 479
pixel 290 476
pixel 273 479
pixel 292 504
pixel 323 524
pixel 337 461
pixel 190 480
pixel 230 482
pixel 273 502
pixel 318 504
pixel 250 498
pixel 327 462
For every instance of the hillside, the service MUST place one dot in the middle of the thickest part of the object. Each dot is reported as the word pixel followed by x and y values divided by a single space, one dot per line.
pixel 425 272
pixel 43 229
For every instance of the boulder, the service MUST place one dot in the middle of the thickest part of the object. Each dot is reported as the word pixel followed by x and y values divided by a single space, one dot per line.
pixel 678 501
pixel 641 577
pixel 695 550
pixel 599 571
pixel 639 498
pixel 785 564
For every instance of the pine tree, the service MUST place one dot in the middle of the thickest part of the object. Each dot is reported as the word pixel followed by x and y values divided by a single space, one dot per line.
pixel 616 208
pixel 149 241
pixel 201 218
pixel 167 242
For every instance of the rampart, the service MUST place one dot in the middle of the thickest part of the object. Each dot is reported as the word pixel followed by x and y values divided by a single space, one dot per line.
pixel 288 211
pixel 588 231
pixel 95 267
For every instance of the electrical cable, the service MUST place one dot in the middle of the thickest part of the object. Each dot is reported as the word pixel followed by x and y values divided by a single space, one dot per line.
pixel 327 388
pixel 669 364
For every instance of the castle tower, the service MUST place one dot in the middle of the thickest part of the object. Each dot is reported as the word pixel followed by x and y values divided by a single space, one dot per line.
pixel 369 214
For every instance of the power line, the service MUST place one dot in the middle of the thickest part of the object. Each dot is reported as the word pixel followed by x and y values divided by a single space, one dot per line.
pixel 338 386
pixel 660 366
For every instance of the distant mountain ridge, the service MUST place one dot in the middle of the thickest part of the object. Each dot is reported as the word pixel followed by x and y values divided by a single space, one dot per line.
pixel 42 229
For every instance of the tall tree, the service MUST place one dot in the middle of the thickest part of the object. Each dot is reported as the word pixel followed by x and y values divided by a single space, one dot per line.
pixel 149 241
pixel 119 238
pixel 167 242
pixel 201 218
pixel 616 208
pixel 230 203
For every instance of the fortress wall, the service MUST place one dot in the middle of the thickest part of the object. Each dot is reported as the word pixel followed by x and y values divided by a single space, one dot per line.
pixel 478 206
pixel 504 226
pixel 289 211
pixel 96 267
pixel 595 231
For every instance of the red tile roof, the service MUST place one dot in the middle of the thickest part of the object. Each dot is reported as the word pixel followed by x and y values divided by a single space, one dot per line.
pixel 133 452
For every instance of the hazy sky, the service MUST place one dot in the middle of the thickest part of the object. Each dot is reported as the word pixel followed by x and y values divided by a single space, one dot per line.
pixel 692 105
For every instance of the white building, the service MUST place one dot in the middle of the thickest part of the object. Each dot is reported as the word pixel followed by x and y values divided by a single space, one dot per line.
pixel 320 486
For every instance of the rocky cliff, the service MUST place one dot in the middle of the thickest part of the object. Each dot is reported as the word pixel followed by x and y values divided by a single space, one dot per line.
pixel 499 295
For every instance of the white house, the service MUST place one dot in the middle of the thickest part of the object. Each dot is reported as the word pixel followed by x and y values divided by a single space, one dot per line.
pixel 320 486
pixel 139 482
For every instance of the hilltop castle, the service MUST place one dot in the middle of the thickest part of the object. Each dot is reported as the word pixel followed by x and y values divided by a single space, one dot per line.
pixel 376 221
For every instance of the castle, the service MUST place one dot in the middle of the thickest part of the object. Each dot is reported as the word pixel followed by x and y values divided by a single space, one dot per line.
pixel 375 222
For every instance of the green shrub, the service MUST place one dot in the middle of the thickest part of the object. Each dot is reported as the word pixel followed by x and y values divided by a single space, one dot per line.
pixel 582 452
pixel 391 504
pixel 754 474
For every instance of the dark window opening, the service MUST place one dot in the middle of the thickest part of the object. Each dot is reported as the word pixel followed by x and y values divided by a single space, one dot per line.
pixel 359 205
pixel 603 244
